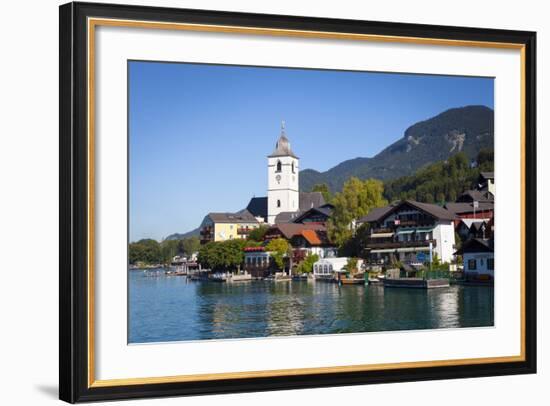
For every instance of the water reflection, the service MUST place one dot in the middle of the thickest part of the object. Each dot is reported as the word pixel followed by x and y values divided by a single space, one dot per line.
pixel 174 309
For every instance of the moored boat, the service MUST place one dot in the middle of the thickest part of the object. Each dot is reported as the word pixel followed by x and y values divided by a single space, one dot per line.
pixel 352 281
pixel 239 278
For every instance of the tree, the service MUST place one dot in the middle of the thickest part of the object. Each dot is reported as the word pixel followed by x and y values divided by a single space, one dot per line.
pixel 325 191
pixel 351 265
pixel 440 182
pixel 278 249
pixel 485 160
pixel 306 266
pixel 435 259
pixel 354 247
pixel 222 255
pixel 258 234
pixel 356 200
pixel 188 246
pixel 146 251
pixel 168 249
pixel 207 255
pixel 233 251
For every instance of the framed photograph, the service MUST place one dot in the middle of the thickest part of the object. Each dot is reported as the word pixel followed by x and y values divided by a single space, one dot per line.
pixel 257 202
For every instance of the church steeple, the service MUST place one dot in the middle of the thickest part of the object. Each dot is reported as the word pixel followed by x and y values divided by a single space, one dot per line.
pixel 282 147
pixel 282 173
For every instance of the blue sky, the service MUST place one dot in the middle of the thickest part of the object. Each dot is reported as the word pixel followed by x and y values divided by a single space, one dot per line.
pixel 199 134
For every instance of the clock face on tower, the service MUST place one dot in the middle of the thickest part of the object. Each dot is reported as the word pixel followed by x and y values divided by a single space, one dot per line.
pixel 278 178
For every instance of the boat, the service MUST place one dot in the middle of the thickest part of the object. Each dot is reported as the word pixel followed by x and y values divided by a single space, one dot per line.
pixel 218 277
pixel 280 277
pixel 175 273
pixel 352 281
pixel 374 281
pixel 246 277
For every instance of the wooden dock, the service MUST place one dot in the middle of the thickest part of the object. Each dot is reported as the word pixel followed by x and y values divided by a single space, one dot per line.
pixel 418 283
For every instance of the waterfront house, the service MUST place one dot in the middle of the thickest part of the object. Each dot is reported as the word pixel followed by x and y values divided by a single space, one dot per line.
pixel 329 268
pixel 478 257
pixel 257 262
pixel 227 226
pixel 408 231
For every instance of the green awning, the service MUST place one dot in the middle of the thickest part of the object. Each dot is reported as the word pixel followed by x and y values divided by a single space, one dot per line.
pixel 409 231
pixel 415 230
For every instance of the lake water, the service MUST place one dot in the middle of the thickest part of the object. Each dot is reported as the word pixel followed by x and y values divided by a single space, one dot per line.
pixel 173 308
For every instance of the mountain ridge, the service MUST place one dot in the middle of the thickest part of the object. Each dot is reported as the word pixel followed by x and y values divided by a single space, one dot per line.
pixel 468 129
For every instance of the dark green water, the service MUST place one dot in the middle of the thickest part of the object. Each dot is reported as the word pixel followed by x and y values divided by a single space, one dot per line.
pixel 175 309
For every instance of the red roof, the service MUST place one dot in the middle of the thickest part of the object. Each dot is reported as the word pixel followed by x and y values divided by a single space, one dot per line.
pixel 311 237
pixel 289 230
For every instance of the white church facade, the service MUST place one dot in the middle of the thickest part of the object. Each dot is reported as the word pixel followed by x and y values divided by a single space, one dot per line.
pixel 283 194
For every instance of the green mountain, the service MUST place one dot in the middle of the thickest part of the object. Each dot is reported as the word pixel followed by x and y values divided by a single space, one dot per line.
pixel 468 129
pixel 179 236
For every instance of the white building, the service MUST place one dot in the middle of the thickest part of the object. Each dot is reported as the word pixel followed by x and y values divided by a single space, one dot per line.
pixel 283 193
pixel 479 258
pixel 326 268
pixel 409 232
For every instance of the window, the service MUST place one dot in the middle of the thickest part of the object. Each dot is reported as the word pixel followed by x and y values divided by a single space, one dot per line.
pixel 293 167
pixel 278 203
pixel 472 264
pixel 490 264
pixel 279 166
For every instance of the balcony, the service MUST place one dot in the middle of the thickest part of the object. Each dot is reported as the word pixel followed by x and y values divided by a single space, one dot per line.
pixel 373 244
pixel 244 230
pixel 383 230
pixel 415 223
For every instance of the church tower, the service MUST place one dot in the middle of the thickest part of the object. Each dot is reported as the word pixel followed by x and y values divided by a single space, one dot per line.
pixel 283 194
